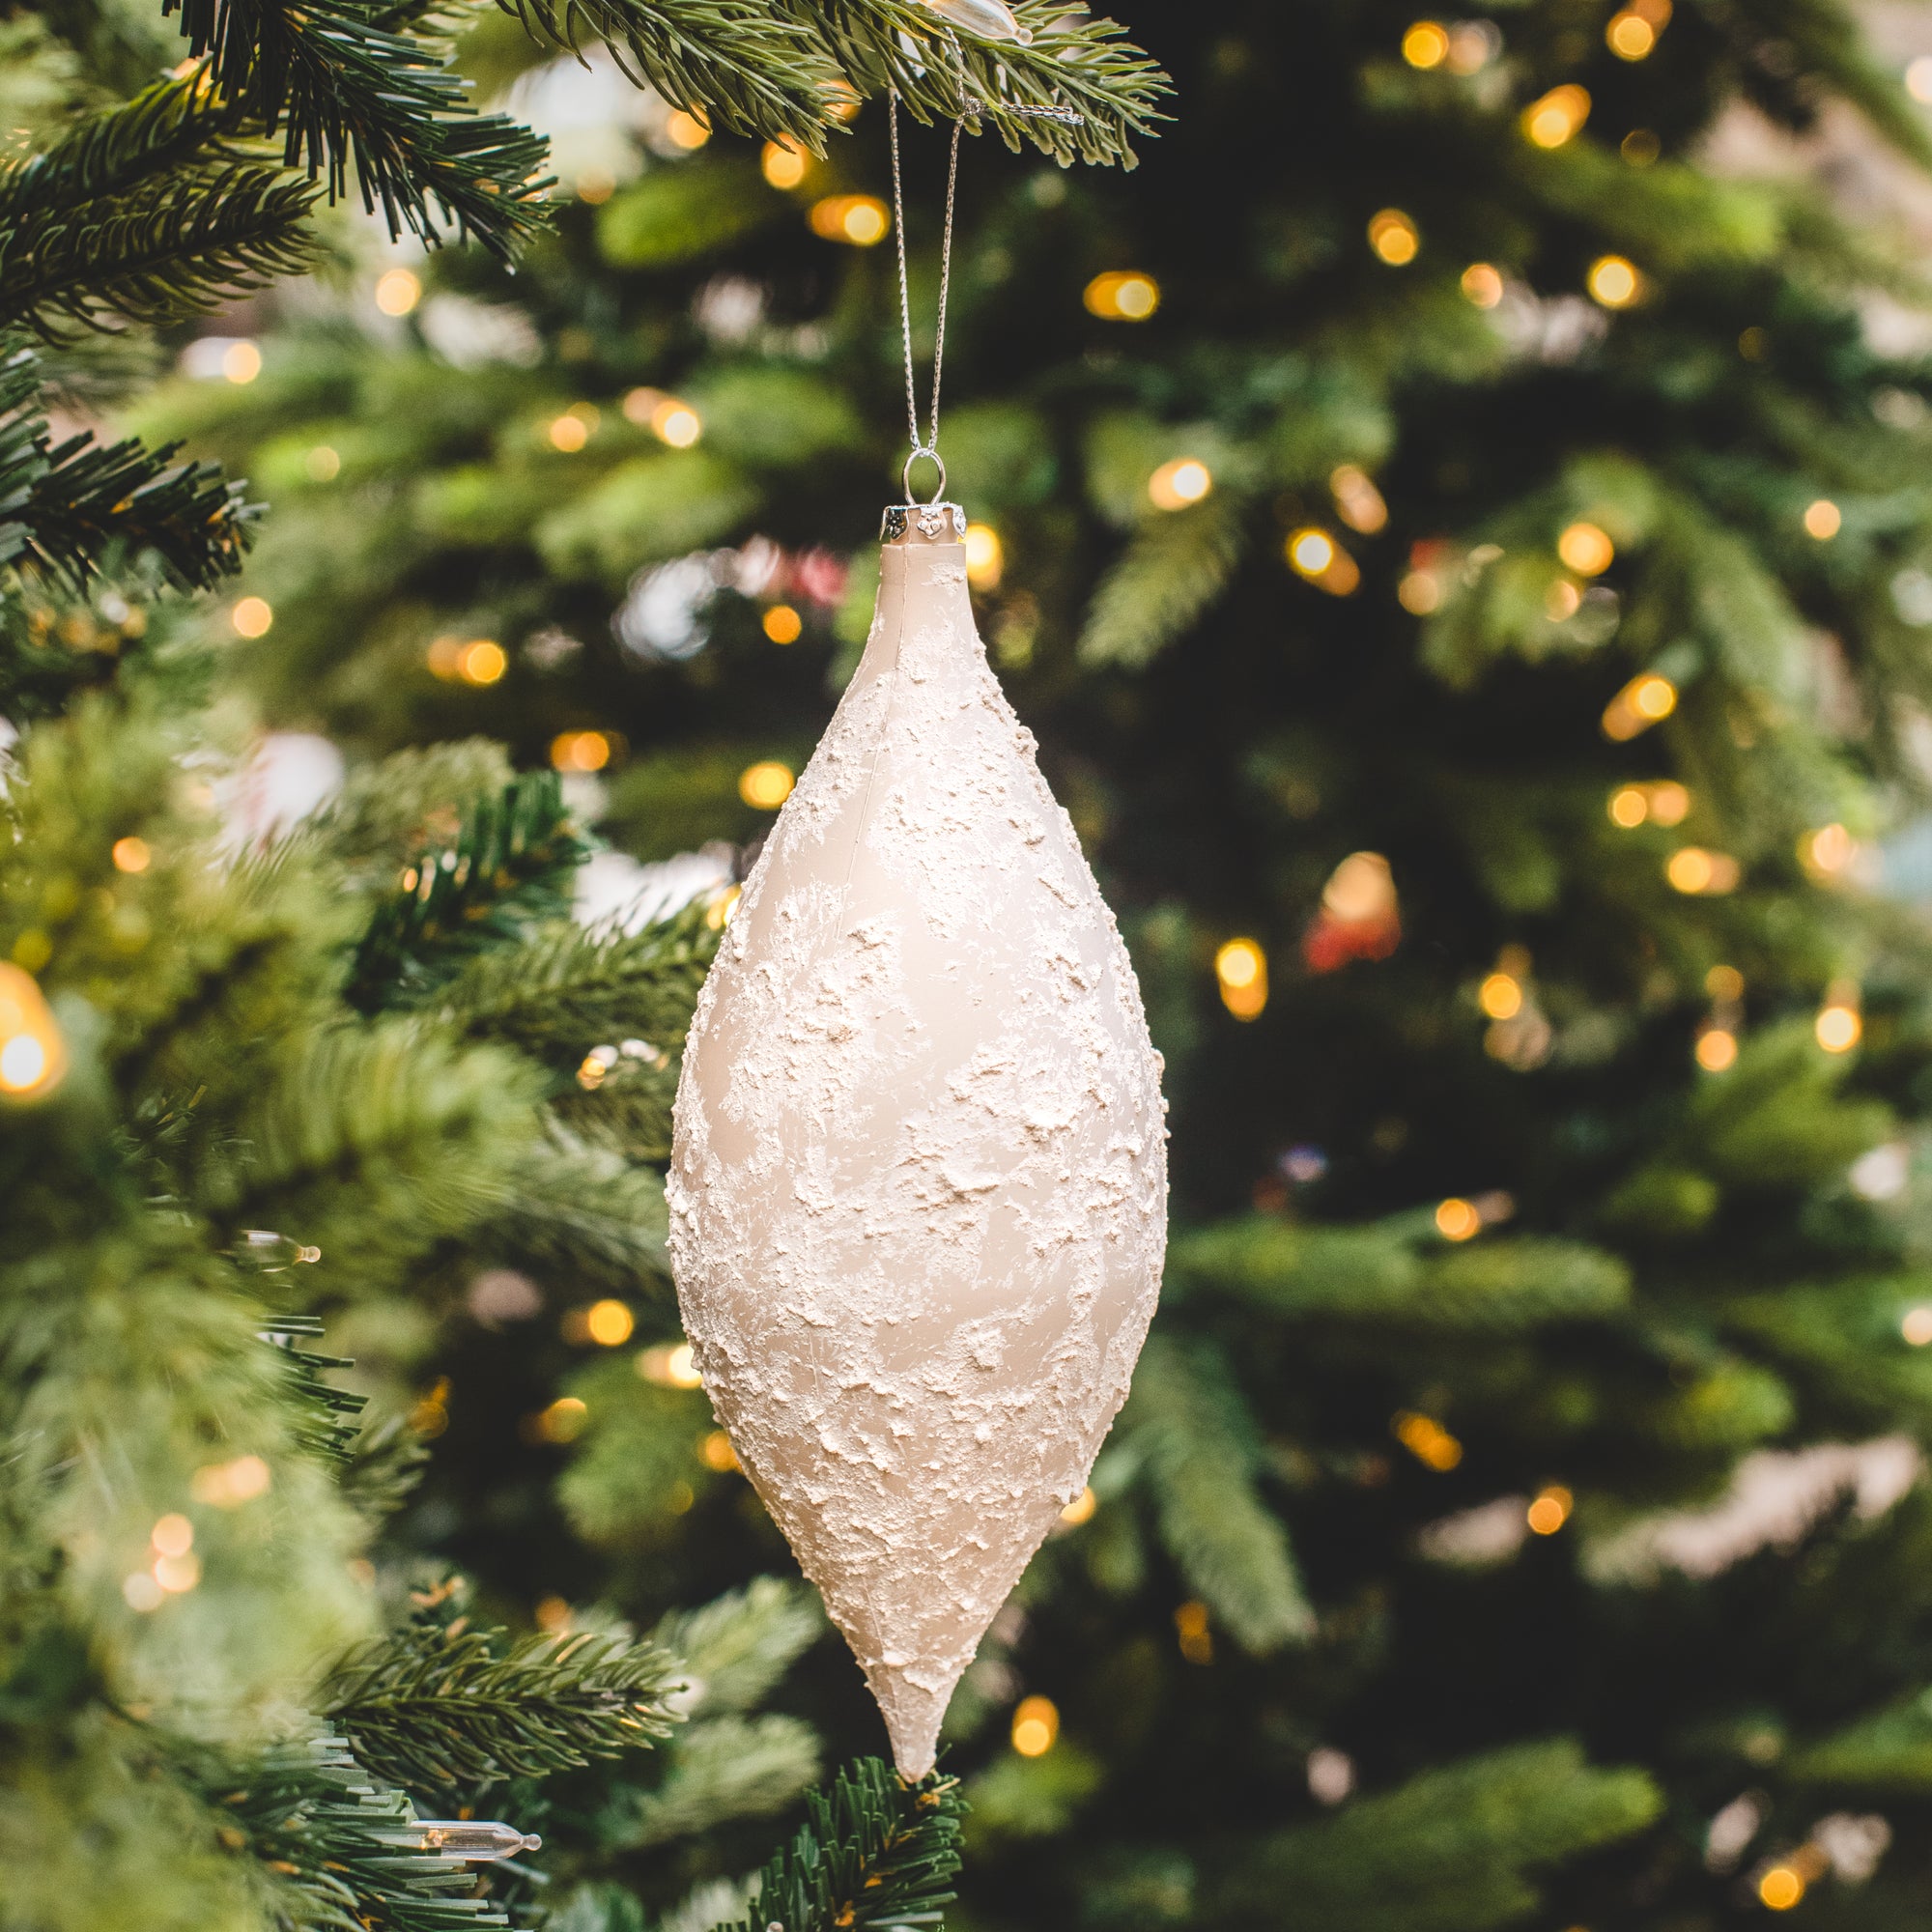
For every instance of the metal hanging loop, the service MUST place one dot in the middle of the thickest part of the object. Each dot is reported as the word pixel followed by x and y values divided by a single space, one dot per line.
pixel 926 445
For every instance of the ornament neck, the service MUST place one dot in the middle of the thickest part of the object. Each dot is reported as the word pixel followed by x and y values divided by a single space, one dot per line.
pixel 909 525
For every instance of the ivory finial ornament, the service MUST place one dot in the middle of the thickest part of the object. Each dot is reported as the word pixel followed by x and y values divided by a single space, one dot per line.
pixel 919 1176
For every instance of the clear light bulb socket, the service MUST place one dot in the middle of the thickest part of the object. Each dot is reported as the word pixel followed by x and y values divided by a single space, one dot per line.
pixel 461 1841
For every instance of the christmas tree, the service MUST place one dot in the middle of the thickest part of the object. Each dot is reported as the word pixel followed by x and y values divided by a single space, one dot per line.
pixel 233 1051
pixel 1464 553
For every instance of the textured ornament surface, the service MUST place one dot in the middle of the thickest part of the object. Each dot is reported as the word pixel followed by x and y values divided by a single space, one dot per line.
pixel 919 1181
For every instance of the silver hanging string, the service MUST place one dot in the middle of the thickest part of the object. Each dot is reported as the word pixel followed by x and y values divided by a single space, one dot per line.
pixel 928 444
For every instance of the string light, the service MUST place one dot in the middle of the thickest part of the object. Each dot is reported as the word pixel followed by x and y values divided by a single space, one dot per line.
pixel 1780 1888
pixel 862 220
pixel 397 292
pixel 1666 803
pixel 1482 284
pixel 1823 520
pixel 1919 80
pixel 985 556
pixel 581 751
pixel 1357 501
pixel 1717 1049
pixel 1614 281
pixel 1562 601
pixel 481 661
pixel 251 617
pixel 1558 116
pixel 33 1055
pixel 716 1452
pixel 1586 550
pixel 241 361
pixel 1724 983
pixel 563 1421
pixel 765 785
pixel 1916 1326
pixel 1122 294
pixel 1315 555
pixel 785 163
pixel 1428 1441
pixel 323 464
pixel 1839 1025
pixel 1500 996
pixel 1035 1726
pixel 670 1366
pixel 1633 33
pixel 1192 1630
pixel 130 855
pixel 1174 484
pixel 781 624
pixel 569 434
pixel 675 423
pixel 1456 1220
pixel 1241 967
pixel 1393 236
pixel 1645 700
pixel 1694 871
pixel 1081 1508
pixel 1426 44
pixel 229 1484
pixel 685 130
pixel 1550 1510
pixel 608 1324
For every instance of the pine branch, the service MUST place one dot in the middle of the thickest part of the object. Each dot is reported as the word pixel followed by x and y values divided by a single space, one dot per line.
pixel 1190 1425
pixel 1172 570
pixel 345 92
pixel 65 508
pixel 324 1419
pixel 873 1851
pixel 737 1647
pixel 730 1767
pixel 431 1707
pixel 512 865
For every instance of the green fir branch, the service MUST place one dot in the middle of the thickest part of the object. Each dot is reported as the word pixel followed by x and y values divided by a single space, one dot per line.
pixel 1176 565
pixel 511 866
pixel 433 1706
pixel 874 1851
pixel 344 94
pixel 66 508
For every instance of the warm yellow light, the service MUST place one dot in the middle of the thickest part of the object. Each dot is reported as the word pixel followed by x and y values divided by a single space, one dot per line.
pixel 228 1485
pixel 985 556
pixel 1694 870
pixel 563 1420
pixel 132 855
pixel 595 186
pixel 1724 983
pixel 241 361
pixel 1630 37
pixel 1456 1220
pixel 1562 600
pixel 481 661
pixel 173 1535
pixel 1558 116
pixel 1122 294
pixel 1918 78
pixel 1628 806
pixel 1393 236
pixel 568 434
pixel 1916 1326
pixel 1426 44
pixel 782 625
pixel 1191 1628
pixel 1482 284
pixel 1828 852
pixel 1824 520
pixel 669 1366
pixel 685 130
pixel 1717 1049
pixel 1500 996
pixel 1838 1028
pixel 1550 1510
pixel 1428 1441
pixel 579 751
pixel 1420 593
pixel 397 292
pixel 1614 282
pixel 862 220
pixel 1035 1726
pixel 1586 550
pixel 177 1574
pixel 1645 700
pixel 323 464
pixel 1081 1508
pixel 1177 484
pixel 715 1452
pixel 1311 552
pixel 718 913
pixel 1669 803
pixel 1360 890
pixel 1780 1888
pixel 785 163
pixel 677 423
pixel 765 785
pixel 1357 501
pixel 251 617
pixel 1241 967
pixel 608 1324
